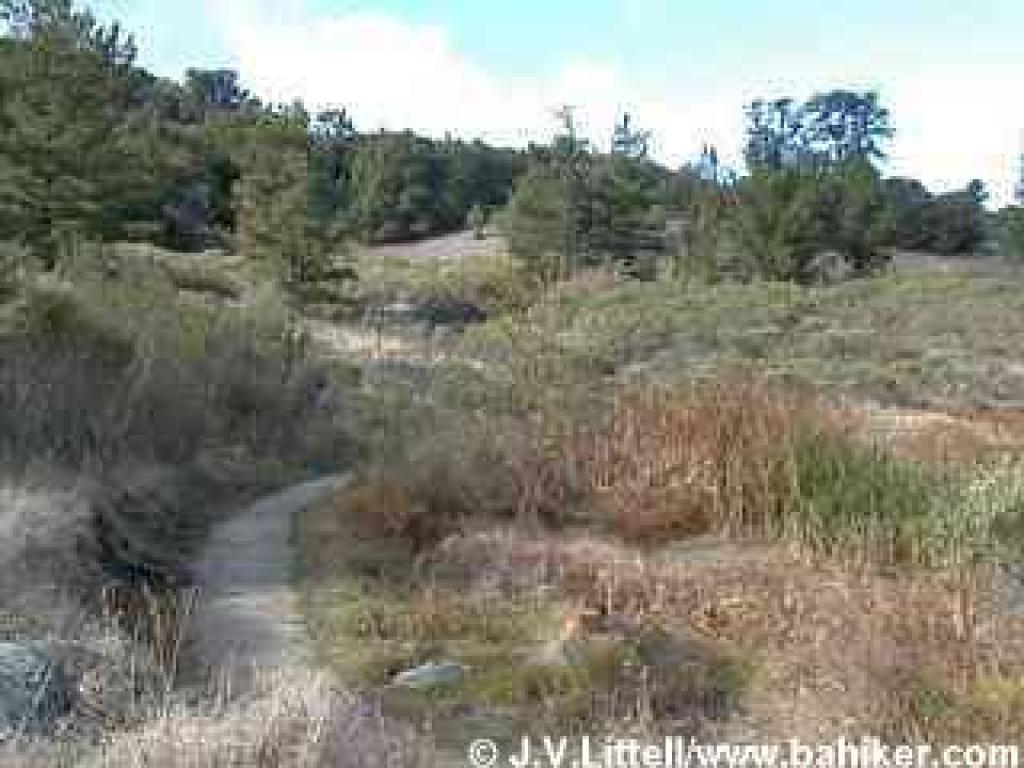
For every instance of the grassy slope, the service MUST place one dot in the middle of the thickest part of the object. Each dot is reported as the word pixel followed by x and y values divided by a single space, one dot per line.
pixel 932 341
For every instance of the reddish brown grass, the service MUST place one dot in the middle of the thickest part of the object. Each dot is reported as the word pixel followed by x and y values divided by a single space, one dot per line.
pixel 711 458
pixel 860 644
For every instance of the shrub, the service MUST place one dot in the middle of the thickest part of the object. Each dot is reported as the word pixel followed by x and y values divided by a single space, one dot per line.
pixel 776 226
pixel 495 282
pixel 287 720
pixel 534 223
pixel 104 372
pixel 1012 234
pixel 784 220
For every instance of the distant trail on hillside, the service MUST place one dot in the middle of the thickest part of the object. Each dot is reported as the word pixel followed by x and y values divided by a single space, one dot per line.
pixel 248 616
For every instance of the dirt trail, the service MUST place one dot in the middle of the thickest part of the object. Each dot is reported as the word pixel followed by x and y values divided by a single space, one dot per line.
pixel 248 615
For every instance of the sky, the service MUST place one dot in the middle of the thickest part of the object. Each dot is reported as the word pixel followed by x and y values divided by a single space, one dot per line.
pixel 950 71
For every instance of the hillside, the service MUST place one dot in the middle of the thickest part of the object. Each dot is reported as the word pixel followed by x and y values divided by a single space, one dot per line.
pixel 325 443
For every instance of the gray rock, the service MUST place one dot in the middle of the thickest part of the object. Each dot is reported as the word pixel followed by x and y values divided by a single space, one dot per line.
pixel 431 675
pixel 34 692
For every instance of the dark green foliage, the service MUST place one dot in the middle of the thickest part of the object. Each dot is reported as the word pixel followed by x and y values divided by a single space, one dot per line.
pixel 91 147
pixel 697 251
pixel 617 225
pixel 274 211
pixel 907 202
pixel 214 90
pixel 843 126
pixel 776 225
pixel 774 134
pixel 831 129
pixel 76 156
pixel 813 189
pixel 534 223
pixel 576 208
pixel 840 133
pixel 628 141
pixel 785 220
pixel 852 212
pixel 955 222
pixel 1011 225
pixel 405 187
pixel 396 186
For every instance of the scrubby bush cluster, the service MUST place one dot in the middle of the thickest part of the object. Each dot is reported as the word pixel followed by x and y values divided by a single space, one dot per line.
pixel 101 374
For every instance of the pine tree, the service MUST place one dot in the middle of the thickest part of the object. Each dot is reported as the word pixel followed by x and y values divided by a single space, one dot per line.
pixel 273 204
pixel 75 160
pixel 534 223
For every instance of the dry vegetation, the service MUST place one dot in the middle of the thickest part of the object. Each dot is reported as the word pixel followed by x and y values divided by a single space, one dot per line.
pixel 699 510
pixel 132 417
pixel 456 267
pixel 624 508
pixel 287 720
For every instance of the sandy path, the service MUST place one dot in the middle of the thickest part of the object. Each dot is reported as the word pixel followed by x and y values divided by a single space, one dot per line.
pixel 248 614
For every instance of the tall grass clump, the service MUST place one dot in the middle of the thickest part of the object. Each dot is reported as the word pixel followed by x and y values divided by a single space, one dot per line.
pixel 743 459
pixel 287 720
pixel 855 500
pixel 709 459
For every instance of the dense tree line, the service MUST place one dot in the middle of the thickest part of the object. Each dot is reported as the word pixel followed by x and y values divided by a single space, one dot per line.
pixel 93 146
pixel 405 186
pixel 814 188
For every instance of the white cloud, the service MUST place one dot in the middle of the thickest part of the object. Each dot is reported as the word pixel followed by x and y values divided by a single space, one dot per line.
pixel 395 74
pixel 954 129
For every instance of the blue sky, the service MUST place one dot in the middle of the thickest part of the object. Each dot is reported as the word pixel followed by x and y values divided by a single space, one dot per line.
pixel 950 71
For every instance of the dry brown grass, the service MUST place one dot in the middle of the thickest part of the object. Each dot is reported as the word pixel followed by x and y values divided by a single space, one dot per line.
pixel 713 457
pixel 296 721
pixel 389 504
pixel 833 649
pixel 289 719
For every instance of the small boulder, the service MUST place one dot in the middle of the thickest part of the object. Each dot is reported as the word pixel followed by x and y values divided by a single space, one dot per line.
pixel 431 675
pixel 34 692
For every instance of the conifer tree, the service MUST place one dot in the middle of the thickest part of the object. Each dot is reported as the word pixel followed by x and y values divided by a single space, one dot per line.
pixel 273 204
pixel 75 159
